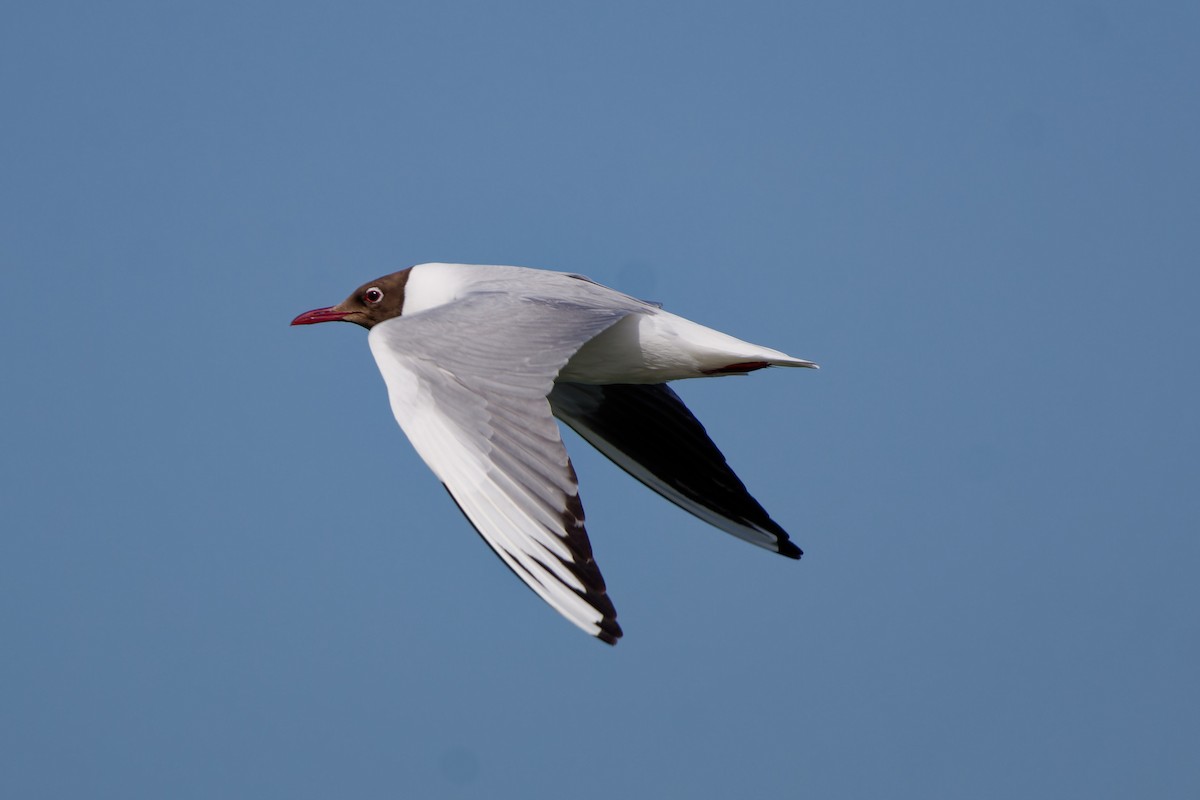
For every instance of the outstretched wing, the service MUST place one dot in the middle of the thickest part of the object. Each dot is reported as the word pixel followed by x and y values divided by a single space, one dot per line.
pixel 646 430
pixel 468 383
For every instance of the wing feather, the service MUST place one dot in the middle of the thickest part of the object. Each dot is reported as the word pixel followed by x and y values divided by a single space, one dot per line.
pixel 647 431
pixel 468 383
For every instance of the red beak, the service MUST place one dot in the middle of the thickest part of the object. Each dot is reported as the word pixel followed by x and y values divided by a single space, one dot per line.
pixel 331 314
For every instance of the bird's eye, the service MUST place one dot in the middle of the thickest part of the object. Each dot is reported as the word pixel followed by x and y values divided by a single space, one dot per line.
pixel 372 296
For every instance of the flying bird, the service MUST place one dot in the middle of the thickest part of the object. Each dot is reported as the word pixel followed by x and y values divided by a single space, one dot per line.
pixel 478 360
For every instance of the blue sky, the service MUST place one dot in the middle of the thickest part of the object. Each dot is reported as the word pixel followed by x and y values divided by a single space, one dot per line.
pixel 224 572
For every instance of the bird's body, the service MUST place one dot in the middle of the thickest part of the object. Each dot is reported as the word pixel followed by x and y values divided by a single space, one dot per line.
pixel 478 360
pixel 644 345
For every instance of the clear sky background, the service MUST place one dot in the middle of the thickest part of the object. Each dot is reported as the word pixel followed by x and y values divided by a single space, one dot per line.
pixel 224 572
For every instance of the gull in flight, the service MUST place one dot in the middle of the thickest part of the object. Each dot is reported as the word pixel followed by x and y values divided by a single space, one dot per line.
pixel 479 360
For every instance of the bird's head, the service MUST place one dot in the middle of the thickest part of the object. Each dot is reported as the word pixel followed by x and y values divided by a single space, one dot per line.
pixel 370 304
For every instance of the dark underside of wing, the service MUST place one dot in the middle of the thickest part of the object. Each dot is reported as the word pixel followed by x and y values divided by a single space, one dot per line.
pixel 647 430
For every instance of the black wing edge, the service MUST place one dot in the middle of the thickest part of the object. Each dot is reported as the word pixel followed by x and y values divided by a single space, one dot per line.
pixel 585 569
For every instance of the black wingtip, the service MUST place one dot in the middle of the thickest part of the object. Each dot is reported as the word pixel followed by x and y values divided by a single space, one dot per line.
pixel 610 631
pixel 787 548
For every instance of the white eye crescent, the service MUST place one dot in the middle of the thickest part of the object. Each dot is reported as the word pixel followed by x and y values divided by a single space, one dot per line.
pixel 372 296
